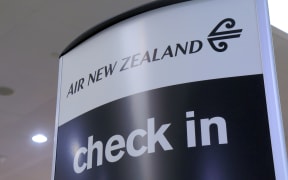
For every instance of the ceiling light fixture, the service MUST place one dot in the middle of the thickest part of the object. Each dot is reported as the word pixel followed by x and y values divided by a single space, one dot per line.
pixel 278 14
pixel 6 91
pixel 39 138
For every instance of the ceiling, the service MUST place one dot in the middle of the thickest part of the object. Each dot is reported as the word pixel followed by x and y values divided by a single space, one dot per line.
pixel 32 35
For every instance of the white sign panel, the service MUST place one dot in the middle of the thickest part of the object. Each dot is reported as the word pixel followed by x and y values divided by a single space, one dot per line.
pixel 176 92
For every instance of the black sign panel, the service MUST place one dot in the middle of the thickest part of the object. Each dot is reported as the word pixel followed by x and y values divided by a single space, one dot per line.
pixel 207 130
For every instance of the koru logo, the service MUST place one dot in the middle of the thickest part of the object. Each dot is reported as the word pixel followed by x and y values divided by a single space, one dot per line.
pixel 216 35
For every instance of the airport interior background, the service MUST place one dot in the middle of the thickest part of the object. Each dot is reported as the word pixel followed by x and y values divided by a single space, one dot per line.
pixel 32 35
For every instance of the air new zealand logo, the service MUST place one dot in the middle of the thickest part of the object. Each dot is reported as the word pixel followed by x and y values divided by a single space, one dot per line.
pixel 223 31
pixel 216 35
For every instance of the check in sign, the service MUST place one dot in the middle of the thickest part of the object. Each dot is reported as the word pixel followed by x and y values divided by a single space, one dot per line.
pixel 172 91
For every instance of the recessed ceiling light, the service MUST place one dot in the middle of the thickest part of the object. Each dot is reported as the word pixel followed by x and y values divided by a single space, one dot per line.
pixel 6 91
pixel 39 138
